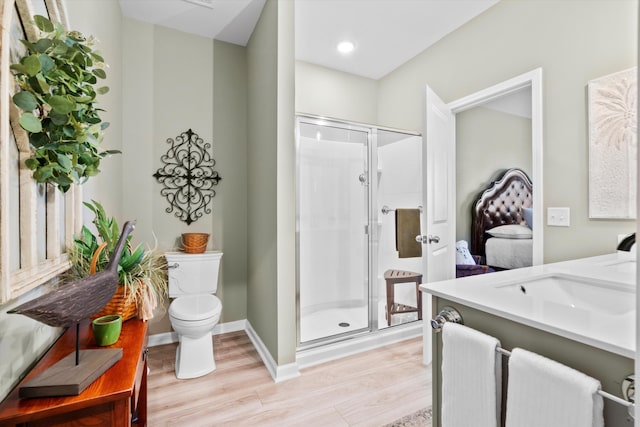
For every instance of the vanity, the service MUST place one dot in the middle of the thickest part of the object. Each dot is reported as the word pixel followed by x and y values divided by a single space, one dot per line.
pixel 117 398
pixel 580 313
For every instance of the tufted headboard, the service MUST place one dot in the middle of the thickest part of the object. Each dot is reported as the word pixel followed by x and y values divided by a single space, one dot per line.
pixel 500 204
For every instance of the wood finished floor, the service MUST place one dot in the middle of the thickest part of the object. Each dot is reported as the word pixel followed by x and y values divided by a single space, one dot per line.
pixel 369 389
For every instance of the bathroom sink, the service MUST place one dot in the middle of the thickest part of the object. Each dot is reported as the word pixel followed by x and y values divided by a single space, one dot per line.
pixel 574 293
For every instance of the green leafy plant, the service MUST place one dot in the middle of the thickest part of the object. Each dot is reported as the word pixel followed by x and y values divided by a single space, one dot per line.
pixel 142 272
pixel 58 78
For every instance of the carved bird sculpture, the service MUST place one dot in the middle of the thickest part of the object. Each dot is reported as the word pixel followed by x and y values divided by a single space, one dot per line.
pixel 76 301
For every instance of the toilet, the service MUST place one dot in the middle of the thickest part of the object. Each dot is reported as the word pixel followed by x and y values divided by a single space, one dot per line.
pixel 195 310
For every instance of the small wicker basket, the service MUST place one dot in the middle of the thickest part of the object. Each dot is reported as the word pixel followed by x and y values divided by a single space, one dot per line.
pixel 121 304
pixel 194 243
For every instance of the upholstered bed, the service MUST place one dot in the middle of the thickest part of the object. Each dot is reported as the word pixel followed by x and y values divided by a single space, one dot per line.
pixel 500 232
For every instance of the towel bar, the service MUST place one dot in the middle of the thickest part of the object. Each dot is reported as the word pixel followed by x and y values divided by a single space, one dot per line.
pixel 450 314
pixel 447 314
pixel 386 209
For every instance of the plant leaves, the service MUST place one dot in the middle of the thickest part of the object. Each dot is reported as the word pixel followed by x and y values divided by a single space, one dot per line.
pixel 99 72
pixel 31 65
pixel 62 104
pixel 30 123
pixel 25 100
pixel 41 83
pixel 46 63
pixel 102 90
pixel 43 173
pixel 31 163
pixel 65 163
pixel 58 118
pixel 43 23
pixel 38 139
pixel 42 45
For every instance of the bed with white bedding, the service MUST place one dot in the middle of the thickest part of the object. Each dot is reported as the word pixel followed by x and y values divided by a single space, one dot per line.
pixel 500 231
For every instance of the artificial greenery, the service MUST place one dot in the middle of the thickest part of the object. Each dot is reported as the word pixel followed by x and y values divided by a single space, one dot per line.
pixel 58 78
pixel 142 272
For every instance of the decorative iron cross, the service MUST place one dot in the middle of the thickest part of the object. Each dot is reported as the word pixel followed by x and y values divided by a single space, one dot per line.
pixel 188 176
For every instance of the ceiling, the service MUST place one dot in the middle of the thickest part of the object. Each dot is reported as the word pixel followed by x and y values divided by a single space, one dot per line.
pixel 387 33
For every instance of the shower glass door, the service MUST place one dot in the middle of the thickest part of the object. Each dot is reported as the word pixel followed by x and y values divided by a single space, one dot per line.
pixel 332 224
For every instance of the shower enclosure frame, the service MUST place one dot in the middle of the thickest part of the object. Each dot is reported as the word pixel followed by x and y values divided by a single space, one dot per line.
pixel 371 229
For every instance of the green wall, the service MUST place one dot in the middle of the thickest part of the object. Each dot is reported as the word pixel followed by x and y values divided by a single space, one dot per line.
pixel 330 93
pixel 573 42
pixel 230 129
pixel 271 209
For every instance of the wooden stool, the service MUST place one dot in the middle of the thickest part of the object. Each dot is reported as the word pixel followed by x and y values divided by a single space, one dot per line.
pixel 399 276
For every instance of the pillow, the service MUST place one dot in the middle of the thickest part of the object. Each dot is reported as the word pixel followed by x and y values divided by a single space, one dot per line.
pixel 463 256
pixel 528 217
pixel 511 231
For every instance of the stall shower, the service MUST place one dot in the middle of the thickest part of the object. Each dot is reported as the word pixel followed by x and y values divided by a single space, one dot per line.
pixel 350 180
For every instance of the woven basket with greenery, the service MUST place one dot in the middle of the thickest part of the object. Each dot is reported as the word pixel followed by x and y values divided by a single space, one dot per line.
pixel 142 273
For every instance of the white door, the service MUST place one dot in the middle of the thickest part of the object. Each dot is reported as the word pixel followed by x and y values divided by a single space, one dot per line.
pixel 438 215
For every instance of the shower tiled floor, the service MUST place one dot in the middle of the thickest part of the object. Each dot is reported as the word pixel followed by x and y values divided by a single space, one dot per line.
pixel 335 321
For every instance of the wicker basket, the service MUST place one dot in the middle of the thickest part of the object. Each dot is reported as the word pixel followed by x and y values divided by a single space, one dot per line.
pixel 120 303
pixel 194 243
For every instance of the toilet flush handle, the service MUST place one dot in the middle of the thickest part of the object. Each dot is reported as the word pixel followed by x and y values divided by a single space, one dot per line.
pixel 174 265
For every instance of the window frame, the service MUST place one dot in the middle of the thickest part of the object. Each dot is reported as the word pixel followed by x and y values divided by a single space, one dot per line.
pixel 32 272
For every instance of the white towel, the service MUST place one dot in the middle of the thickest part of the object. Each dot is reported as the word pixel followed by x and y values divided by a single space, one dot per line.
pixel 543 392
pixel 471 378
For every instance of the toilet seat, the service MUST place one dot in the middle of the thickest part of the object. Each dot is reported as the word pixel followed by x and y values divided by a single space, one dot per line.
pixel 195 307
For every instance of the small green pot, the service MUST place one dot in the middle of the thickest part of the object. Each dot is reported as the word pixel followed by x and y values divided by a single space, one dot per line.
pixel 106 329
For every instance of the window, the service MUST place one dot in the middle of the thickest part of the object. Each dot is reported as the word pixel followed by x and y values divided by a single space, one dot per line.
pixel 37 221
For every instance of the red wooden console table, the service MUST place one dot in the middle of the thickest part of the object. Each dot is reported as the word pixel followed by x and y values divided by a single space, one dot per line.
pixel 115 399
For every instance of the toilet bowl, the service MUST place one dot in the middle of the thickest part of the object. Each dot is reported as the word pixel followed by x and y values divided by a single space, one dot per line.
pixel 195 311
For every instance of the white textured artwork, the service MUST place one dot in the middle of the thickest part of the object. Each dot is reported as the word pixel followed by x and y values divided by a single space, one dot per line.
pixel 613 145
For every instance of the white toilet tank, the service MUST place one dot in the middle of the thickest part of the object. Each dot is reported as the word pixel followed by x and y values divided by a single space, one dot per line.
pixel 193 273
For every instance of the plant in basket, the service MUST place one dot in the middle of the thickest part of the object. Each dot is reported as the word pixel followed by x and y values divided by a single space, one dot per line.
pixel 142 273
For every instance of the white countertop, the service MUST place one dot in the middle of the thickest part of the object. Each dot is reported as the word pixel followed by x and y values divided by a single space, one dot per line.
pixel 610 326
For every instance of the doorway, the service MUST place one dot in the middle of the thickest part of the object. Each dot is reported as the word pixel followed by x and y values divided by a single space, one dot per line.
pixel 521 97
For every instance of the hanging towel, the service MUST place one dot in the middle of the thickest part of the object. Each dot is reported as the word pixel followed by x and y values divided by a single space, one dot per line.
pixel 543 392
pixel 471 378
pixel 407 228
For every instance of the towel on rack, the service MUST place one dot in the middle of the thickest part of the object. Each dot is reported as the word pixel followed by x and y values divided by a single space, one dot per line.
pixel 543 392
pixel 471 378
pixel 407 228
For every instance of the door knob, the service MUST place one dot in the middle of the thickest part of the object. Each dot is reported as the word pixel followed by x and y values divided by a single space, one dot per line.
pixel 434 239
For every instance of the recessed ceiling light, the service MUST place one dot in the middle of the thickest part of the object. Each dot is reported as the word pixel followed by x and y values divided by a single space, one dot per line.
pixel 346 46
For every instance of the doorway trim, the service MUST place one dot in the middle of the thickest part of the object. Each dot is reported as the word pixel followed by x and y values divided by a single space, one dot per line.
pixel 532 79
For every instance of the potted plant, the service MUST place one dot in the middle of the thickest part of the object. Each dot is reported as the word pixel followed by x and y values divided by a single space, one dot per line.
pixel 142 273
pixel 58 78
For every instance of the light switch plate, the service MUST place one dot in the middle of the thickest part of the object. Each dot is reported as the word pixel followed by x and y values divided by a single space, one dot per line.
pixel 560 217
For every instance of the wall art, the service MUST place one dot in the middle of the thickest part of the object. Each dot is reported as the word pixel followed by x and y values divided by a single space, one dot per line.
pixel 613 145
pixel 188 177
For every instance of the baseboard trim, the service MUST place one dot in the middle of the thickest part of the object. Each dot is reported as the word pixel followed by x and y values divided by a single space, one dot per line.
pixel 278 373
pixel 220 328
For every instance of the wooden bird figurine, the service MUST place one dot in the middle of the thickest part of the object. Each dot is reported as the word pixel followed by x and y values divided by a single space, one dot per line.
pixel 69 304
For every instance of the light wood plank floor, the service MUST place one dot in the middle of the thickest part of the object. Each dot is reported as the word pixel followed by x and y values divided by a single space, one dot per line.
pixel 369 389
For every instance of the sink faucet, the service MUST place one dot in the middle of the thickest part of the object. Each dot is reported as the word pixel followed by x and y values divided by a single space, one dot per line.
pixel 627 243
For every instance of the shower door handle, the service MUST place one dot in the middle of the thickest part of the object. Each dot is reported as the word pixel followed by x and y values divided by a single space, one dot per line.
pixel 427 239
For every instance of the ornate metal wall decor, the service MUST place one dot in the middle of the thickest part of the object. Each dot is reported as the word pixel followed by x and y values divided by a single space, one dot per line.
pixel 188 176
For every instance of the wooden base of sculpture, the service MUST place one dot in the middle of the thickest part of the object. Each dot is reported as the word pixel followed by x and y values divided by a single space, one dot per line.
pixel 65 378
